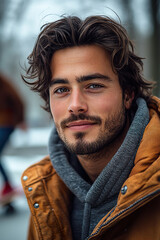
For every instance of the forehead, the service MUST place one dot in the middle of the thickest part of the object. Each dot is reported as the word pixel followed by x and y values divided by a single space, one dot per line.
pixel 80 60
pixel 81 53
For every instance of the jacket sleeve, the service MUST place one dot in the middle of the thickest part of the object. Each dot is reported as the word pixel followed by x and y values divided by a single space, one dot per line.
pixel 32 233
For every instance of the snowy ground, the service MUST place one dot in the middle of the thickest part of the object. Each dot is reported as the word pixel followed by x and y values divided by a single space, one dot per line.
pixel 24 149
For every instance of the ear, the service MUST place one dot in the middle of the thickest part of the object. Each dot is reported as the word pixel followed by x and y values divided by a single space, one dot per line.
pixel 128 99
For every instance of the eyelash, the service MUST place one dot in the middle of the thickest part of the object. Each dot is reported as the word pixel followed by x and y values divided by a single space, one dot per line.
pixel 95 86
pixel 56 91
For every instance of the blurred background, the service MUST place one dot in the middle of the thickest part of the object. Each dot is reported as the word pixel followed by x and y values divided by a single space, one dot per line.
pixel 20 23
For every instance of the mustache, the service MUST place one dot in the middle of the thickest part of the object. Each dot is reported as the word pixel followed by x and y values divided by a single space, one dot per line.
pixel 81 116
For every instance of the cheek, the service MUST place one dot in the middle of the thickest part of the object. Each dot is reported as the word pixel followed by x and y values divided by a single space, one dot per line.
pixel 107 105
pixel 104 104
pixel 57 110
pixel 54 110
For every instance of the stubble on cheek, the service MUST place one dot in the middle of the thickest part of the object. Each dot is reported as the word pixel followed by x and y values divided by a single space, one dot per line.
pixel 107 133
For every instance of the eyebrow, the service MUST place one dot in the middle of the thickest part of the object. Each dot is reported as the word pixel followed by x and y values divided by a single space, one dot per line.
pixel 80 79
pixel 93 76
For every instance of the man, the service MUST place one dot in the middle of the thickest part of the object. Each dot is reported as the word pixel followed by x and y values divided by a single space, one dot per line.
pixel 102 177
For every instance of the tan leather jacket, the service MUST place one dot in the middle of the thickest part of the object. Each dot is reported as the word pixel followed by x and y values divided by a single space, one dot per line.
pixel 136 215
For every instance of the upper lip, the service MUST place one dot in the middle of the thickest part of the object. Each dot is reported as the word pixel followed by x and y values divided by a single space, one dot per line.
pixel 79 123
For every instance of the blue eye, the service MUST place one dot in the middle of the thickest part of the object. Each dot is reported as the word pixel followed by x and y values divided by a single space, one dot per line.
pixel 61 90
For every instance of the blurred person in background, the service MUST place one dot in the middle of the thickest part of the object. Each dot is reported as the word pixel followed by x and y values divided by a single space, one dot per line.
pixel 11 117
pixel 101 179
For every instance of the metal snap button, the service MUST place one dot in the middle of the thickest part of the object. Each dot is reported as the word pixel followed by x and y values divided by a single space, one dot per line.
pixel 124 189
pixel 30 189
pixel 25 178
pixel 36 205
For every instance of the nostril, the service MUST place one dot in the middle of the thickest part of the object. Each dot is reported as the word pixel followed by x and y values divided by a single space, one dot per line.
pixel 81 110
pixel 70 110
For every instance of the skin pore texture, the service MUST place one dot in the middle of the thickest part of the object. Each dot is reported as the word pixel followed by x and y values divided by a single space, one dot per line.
pixel 88 106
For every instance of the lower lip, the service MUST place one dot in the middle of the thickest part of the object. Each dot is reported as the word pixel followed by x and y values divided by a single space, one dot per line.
pixel 81 127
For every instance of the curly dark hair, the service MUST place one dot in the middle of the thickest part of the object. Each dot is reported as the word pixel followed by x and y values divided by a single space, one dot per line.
pixel 94 30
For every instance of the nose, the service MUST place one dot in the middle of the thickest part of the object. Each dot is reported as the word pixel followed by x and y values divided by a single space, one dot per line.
pixel 77 103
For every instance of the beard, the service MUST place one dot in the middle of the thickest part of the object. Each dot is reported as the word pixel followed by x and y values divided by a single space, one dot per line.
pixel 113 127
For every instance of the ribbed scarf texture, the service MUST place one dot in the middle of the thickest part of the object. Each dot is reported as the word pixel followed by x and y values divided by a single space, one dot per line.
pixel 92 202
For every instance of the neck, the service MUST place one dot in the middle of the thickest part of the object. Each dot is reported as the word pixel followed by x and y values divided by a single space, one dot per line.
pixel 93 164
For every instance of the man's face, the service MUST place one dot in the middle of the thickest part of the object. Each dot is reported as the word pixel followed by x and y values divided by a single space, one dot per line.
pixel 86 99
